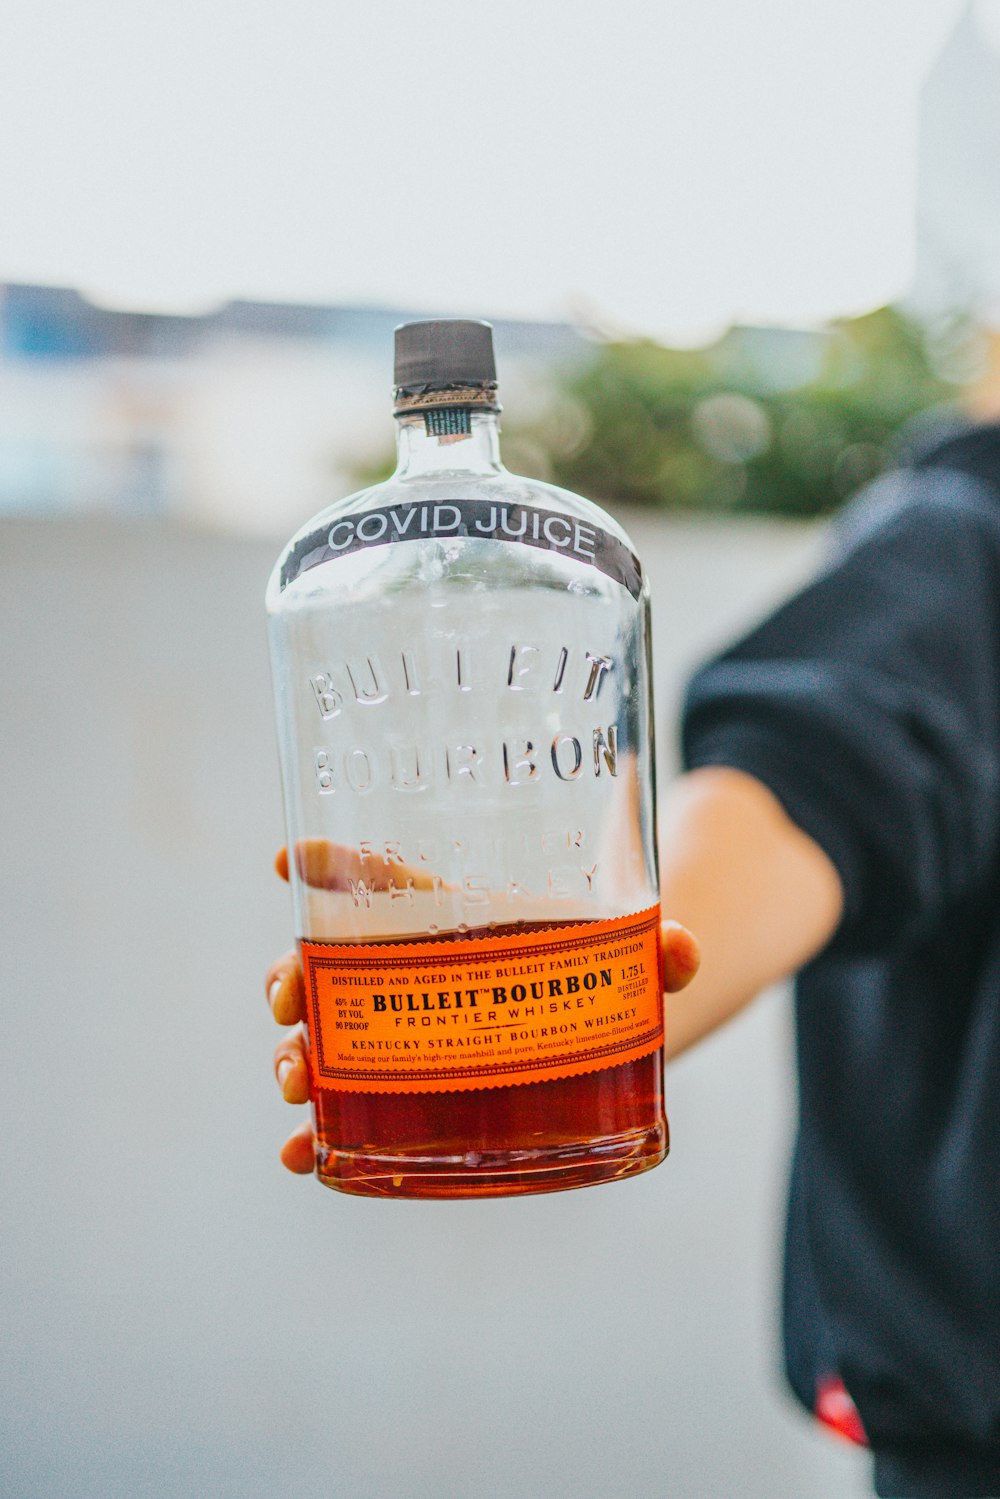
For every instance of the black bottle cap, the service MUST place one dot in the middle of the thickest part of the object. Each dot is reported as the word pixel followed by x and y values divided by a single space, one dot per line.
pixel 443 354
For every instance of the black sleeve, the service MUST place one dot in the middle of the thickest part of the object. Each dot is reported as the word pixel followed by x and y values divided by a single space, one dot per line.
pixel 870 705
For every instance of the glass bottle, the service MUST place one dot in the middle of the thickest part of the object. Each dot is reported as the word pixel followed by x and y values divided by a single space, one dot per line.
pixel 461 662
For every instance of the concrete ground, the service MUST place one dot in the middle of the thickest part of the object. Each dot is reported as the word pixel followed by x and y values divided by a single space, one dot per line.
pixel 182 1319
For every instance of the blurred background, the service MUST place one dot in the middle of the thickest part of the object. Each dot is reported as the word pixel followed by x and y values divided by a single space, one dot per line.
pixel 737 259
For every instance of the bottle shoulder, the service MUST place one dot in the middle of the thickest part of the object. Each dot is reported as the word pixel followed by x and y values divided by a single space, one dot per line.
pixel 403 507
pixel 566 501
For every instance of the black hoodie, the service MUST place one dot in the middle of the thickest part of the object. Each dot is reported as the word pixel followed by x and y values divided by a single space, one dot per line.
pixel 870 705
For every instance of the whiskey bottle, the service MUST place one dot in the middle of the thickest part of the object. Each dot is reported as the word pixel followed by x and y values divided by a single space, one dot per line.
pixel 461 664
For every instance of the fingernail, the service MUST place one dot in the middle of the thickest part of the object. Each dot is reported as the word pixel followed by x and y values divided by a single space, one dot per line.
pixel 280 1000
pixel 284 1068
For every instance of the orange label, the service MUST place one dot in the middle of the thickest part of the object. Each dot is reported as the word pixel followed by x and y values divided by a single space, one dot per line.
pixel 431 1017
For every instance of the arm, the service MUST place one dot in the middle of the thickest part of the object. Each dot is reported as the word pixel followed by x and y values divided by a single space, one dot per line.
pixel 845 755
pixel 761 895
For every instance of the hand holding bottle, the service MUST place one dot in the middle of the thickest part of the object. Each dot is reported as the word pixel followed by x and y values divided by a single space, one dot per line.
pixel 330 866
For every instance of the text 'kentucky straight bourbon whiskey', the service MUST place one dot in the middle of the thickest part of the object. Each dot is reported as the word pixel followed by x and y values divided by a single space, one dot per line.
pixel 462 680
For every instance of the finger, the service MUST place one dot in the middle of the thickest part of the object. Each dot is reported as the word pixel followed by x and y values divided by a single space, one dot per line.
pixel 334 866
pixel 298 1153
pixel 291 1068
pixel 281 863
pixel 681 956
pixel 285 990
pixel 325 865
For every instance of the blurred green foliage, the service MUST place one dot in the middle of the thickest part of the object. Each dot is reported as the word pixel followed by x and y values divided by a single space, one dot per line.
pixel 765 420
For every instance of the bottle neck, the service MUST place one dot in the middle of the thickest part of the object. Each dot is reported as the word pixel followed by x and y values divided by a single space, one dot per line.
pixel 476 451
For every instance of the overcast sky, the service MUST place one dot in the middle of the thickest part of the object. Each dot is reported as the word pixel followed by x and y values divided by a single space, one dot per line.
pixel 653 165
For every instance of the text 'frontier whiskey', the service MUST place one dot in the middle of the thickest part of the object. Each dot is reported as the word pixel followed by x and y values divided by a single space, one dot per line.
pixel 462 677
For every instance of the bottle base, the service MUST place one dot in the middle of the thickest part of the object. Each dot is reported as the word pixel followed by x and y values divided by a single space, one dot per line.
pixel 492 1173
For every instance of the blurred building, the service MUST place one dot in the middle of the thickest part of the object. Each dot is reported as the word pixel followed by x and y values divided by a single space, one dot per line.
pixel 252 416
pixel 958 189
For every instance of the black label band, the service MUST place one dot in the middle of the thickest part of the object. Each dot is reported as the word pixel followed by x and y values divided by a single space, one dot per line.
pixel 483 520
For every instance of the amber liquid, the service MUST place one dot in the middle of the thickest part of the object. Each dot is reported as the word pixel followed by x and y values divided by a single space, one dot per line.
pixel 494 1142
